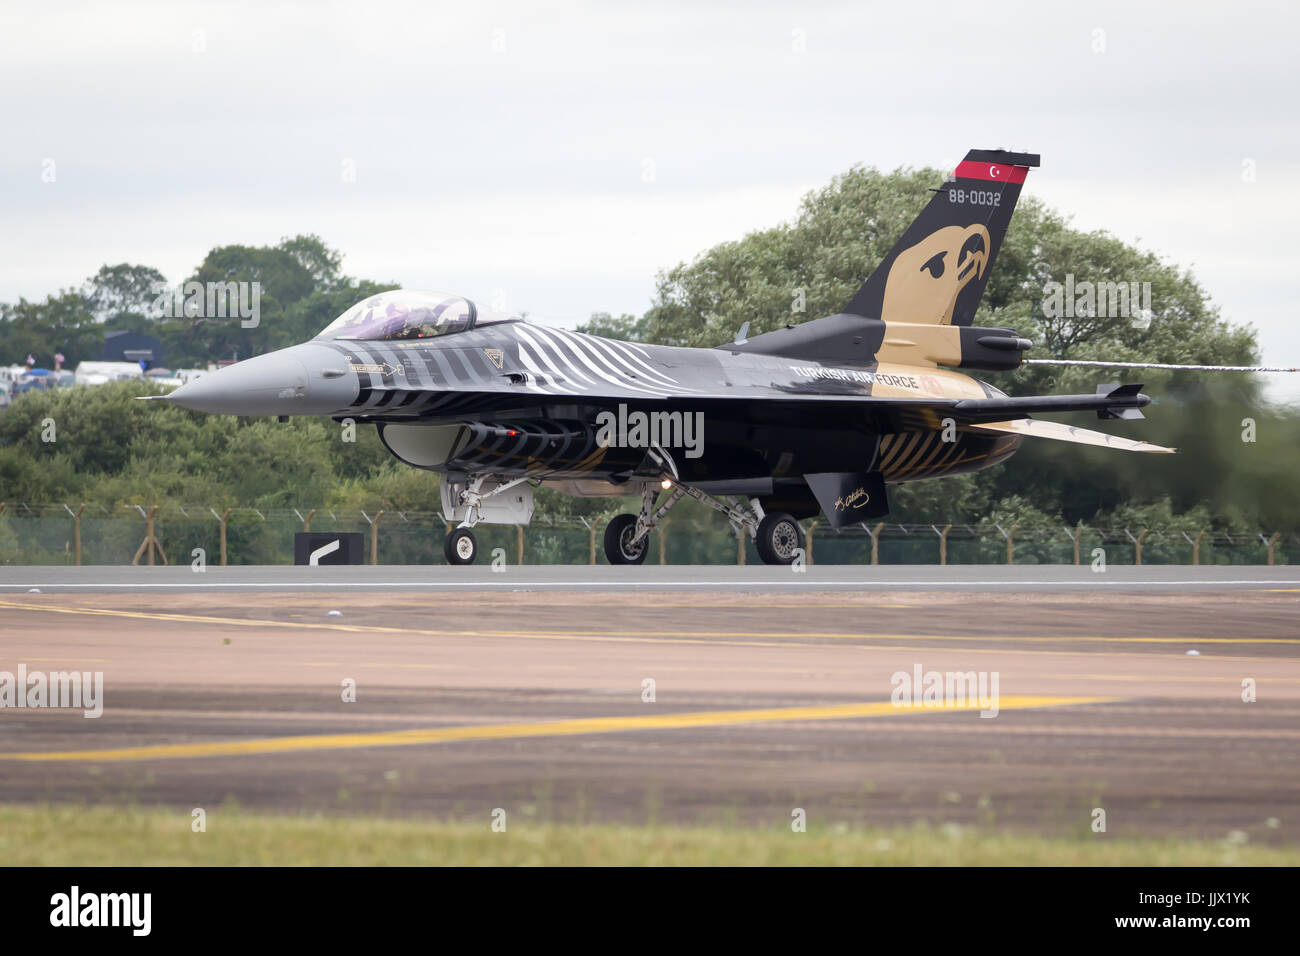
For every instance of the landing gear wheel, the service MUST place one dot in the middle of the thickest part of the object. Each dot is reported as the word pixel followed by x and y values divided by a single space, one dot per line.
pixel 460 547
pixel 618 537
pixel 779 538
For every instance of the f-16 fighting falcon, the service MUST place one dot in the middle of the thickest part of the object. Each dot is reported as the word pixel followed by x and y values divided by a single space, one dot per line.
pixel 816 418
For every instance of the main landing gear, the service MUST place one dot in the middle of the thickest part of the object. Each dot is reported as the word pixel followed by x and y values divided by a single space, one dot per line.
pixel 460 547
pixel 777 536
pixel 622 543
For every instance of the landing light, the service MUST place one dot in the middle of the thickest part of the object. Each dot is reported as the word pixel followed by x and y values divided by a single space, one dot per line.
pixel 666 484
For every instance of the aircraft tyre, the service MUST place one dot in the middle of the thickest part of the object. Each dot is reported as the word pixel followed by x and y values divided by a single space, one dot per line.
pixel 779 538
pixel 617 535
pixel 460 547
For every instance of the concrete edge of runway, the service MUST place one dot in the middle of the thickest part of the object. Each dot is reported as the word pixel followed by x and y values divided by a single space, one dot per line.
pixel 995 578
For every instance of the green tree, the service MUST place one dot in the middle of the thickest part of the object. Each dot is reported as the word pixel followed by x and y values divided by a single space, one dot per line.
pixel 627 328
pixel 62 323
pixel 811 267
pixel 122 289
pixel 287 274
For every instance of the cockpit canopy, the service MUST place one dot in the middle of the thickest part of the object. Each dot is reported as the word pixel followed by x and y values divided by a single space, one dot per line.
pixel 407 314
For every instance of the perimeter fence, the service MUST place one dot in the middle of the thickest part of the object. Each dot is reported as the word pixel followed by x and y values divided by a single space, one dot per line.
pixel 130 534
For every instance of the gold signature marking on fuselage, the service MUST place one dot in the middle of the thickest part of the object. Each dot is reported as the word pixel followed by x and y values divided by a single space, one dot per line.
pixel 855 499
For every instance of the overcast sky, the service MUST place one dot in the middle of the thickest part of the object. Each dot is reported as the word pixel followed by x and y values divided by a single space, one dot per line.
pixel 502 149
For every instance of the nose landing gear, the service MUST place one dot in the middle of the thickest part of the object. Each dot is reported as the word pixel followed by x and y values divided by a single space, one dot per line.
pixel 470 502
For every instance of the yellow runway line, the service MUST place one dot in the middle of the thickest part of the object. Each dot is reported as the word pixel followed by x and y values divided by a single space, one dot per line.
pixel 1169 678
pixel 552 728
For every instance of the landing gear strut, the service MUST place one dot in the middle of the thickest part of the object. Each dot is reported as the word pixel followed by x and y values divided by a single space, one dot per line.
pixel 627 537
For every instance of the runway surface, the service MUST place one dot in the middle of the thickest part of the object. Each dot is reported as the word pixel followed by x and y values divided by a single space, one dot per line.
pixel 595 578
pixel 523 692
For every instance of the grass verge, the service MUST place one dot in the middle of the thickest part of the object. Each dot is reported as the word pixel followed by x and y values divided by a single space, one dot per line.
pixel 66 835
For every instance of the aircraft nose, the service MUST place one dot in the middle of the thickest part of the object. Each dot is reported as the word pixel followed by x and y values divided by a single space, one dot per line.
pixel 302 380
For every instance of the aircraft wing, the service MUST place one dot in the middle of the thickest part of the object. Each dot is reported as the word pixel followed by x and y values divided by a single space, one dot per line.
pixel 1080 436
pixel 848 408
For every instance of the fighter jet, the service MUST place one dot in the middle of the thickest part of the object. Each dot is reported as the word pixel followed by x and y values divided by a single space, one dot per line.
pixel 816 418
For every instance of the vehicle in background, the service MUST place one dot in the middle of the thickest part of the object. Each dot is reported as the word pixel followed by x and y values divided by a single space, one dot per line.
pixel 163 376
pixel 101 373
pixel 32 378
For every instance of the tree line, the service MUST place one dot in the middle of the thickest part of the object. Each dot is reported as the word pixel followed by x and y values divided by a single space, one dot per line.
pixel 1236 471
pixel 302 290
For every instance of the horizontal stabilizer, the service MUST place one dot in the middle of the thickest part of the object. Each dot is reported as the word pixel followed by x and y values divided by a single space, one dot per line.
pixel 1080 436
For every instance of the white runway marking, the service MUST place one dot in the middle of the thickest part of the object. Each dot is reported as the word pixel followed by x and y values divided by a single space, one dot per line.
pixel 692 584
pixel 739 579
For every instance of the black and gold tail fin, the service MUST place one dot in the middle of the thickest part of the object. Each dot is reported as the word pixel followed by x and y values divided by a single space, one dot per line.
pixel 936 273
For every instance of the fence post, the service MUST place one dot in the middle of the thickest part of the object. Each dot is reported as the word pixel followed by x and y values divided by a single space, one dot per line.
pixel 519 544
pixel 1272 543
pixel 808 543
pixel 150 542
pixel 1011 541
pixel 374 536
pixel 663 541
pixel 875 543
pixel 1137 544
pixel 943 542
pixel 221 520
pixel 76 531
pixel 591 542
pixel 150 538
pixel 740 546
pixel 306 522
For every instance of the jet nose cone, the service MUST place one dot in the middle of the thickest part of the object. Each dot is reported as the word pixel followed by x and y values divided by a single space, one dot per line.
pixel 256 386
pixel 294 381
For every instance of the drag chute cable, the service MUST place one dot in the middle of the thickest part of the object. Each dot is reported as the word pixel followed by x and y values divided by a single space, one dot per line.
pixel 1184 368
